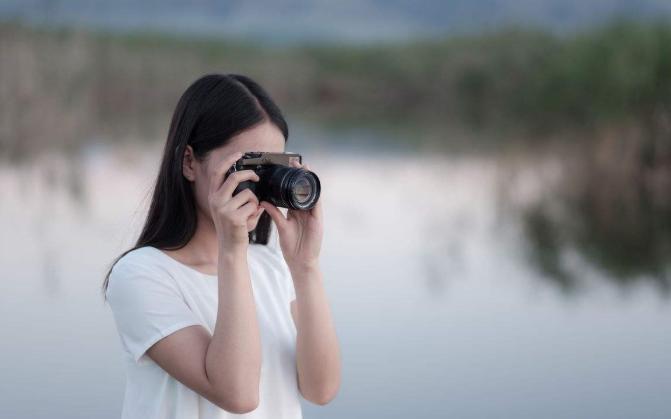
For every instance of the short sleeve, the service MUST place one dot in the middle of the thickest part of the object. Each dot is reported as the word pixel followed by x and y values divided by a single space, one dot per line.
pixel 146 304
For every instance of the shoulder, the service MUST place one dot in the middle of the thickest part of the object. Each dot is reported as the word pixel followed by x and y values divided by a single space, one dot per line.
pixel 141 268
pixel 142 259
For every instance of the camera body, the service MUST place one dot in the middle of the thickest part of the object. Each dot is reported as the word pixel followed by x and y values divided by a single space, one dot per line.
pixel 279 182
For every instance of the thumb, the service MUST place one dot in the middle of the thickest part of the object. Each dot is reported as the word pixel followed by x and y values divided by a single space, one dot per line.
pixel 275 214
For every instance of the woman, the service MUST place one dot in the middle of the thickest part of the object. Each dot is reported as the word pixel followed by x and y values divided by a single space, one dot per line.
pixel 217 312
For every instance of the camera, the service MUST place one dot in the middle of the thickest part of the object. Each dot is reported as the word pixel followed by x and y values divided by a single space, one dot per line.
pixel 279 183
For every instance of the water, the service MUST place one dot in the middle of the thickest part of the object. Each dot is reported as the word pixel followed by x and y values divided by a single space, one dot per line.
pixel 440 308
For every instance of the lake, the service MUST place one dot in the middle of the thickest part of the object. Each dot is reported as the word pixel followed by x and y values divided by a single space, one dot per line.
pixel 444 305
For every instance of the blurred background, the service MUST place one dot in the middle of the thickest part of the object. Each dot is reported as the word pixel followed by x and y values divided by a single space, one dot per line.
pixel 497 189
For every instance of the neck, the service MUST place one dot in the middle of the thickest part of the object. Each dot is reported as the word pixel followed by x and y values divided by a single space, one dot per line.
pixel 204 245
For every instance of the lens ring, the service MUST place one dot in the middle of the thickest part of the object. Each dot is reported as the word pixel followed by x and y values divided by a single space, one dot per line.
pixel 303 189
pixel 289 187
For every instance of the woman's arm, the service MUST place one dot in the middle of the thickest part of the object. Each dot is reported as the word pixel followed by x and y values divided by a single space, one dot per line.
pixel 225 368
pixel 317 350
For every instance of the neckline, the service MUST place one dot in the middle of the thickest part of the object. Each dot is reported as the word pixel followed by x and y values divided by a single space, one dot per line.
pixel 183 265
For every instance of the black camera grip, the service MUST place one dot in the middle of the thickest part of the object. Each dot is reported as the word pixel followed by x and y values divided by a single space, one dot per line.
pixel 242 185
pixel 247 184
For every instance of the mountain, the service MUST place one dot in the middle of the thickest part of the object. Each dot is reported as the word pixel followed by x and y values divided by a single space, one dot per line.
pixel 301 21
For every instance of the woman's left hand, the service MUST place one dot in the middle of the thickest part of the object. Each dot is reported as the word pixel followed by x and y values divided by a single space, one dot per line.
pixel 300 233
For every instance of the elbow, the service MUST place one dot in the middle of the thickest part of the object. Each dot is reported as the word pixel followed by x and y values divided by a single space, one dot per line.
pixel 243 408
pixel 238 404
pixel 323 396
pixel 322 401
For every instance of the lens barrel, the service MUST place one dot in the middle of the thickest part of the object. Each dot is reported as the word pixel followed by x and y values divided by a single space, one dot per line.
pixel 289 187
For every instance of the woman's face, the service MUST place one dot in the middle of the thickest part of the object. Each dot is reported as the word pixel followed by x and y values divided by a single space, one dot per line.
pixel 264 136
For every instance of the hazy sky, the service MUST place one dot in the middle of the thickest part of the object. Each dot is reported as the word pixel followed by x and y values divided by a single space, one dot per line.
pixel 317 20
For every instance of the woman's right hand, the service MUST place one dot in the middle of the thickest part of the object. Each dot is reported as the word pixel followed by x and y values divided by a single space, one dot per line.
pixel 231 214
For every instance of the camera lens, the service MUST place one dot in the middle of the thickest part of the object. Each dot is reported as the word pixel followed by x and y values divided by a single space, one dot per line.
pixel 290 187
pixel 303 189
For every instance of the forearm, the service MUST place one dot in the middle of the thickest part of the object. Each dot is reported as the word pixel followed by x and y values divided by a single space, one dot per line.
pixel 317 349
pixel 233 360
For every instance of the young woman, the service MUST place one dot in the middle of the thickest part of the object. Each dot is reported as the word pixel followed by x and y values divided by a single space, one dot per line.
pixel 220 305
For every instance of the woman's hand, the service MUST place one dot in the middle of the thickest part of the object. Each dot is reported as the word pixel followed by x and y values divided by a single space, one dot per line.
pixel 232 214
pixel 300 233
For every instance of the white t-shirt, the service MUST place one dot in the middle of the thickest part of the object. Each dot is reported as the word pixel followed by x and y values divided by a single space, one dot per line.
pixel 153 295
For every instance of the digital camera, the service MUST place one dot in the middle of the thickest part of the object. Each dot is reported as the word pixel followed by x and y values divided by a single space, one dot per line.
pixel 280 183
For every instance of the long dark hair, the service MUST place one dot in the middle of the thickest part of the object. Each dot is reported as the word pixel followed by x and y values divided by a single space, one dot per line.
pixel 212 110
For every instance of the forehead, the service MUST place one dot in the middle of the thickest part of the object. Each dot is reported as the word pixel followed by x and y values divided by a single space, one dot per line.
pixel 261 137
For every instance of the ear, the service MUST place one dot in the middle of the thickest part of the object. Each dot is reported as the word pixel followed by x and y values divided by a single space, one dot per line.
pixel 189 164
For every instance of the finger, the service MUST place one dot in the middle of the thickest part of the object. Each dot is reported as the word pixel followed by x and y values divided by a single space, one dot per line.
pixel 247 210
pixel 241 198
pixel 254 219
pixel 293 213
pixel 234 179
pixel 217 176
pixel 317 210
pixel 275 214
pixel 296 163
pixel 259 212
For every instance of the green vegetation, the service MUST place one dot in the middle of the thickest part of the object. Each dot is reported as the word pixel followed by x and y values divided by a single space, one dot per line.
pixel 515 82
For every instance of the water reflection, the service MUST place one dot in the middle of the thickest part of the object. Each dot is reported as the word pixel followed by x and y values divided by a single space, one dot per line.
pixel 626 251
pixel 435 303
pixel 572 213
pixel 604 206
